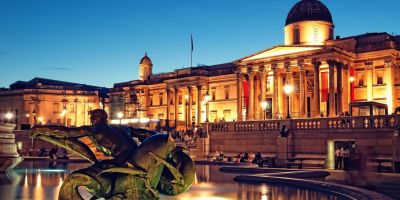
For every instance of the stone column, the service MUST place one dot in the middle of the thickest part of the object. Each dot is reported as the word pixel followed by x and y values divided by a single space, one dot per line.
pixel 176 106
pixel 332 88
pixel 339 88
pixel 289 81
pixel 346 88
pixel 168 111
pixel 198 105
pixel 317 101
pixel 190 101
pixel 239 91
pixel 263 92
pixel 251 95
pixel 390 89
pixel 275 94
pixel 302 89
pixel 370 80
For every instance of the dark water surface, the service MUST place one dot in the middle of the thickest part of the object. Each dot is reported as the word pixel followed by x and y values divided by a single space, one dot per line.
pixel 42 180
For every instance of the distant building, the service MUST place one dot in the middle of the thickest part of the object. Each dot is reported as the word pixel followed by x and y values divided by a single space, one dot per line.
pixel 325 73
pixel 45 101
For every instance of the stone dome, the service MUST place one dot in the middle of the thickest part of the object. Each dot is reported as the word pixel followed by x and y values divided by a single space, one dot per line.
pixel 145 60
pixel 309 10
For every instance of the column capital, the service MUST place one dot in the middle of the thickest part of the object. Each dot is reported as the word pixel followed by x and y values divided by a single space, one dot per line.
pixel 287 67
pixel 332 62
pixel 263 72
pixel 368 65
pixel 389 63
pixel 316 63
pixel 252 74
pixel 274 67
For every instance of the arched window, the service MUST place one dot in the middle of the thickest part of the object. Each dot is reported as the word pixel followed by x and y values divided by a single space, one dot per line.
pixel 296 35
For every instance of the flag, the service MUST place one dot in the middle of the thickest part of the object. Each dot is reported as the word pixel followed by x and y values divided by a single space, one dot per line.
pixel 191 41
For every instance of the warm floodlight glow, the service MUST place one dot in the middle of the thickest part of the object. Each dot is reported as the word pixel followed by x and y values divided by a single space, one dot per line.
pixel 352 79
pixel 120 115
pixel 9 115
pixel 288 89
pixel 207 98
pixel 63 112
pixel 264 105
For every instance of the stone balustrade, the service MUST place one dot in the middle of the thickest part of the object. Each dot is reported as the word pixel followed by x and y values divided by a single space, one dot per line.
pixel 335 123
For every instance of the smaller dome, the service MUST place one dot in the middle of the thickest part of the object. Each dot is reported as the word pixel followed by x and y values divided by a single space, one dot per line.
pixel 145 60
pixel 309 10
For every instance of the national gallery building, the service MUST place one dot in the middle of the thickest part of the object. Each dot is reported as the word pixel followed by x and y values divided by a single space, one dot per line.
pixel 313 74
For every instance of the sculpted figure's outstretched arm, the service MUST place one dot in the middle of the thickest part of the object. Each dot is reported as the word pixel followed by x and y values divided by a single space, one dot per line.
pixel 61 131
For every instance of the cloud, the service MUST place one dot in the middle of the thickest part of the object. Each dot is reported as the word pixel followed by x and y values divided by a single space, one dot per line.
pixel 57 68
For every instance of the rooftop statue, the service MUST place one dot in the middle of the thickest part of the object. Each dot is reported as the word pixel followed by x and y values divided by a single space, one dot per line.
pixel 136 170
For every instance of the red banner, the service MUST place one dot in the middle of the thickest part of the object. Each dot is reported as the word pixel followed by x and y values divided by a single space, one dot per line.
pixel 245 85
pixel 324 86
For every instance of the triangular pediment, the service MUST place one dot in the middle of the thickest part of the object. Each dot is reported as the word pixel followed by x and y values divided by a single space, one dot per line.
pixel 280 51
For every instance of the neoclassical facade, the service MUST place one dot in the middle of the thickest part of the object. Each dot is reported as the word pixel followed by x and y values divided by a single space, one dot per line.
pixel 46 101
pixel 325 74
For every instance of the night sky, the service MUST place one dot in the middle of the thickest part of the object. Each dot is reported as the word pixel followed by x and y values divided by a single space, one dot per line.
pixel 100 42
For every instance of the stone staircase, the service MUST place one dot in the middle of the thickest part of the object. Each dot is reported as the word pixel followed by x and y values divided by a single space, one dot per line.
pixel 190 145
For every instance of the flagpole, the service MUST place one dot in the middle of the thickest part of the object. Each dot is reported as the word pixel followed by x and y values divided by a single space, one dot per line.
pixel 191 51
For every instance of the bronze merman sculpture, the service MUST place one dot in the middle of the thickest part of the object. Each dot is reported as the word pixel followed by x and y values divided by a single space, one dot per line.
pixel 134 172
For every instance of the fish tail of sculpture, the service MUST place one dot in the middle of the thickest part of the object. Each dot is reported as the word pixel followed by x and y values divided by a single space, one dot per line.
pixel 69 189
pixel 73 145
pixel 170 183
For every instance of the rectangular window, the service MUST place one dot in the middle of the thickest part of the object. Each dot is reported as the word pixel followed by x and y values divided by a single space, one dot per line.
pixel 360 79
pixel 161 99
pixel 227 92
pixel 379 77
pixel 56 108
pixel 296 36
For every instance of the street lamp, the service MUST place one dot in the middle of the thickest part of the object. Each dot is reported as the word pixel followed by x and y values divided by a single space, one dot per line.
pixel 120 115
pixel 207 98
pixel 34 117
pixel 288 89
pixel 264 105
pixel 193 121
pixel 187 111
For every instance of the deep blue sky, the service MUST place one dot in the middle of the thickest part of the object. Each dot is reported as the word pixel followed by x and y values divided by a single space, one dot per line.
pixel 100 42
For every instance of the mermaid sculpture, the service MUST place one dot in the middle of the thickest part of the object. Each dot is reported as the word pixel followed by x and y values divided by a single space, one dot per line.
pixel 135 171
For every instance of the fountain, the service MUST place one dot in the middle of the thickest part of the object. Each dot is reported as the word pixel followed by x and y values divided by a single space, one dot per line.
pixel 9 157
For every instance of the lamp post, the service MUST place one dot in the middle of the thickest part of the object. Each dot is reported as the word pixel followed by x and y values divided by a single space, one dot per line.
pixel 207 98
pixel 120 115
pixel 288 89
pixel 34 117
pixel 264 105
pixel 187 111
pixel 193 121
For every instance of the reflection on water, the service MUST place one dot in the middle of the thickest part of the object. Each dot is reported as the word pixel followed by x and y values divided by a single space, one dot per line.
pixel 42 180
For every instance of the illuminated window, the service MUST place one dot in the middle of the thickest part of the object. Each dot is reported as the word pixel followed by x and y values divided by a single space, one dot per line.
pixel 315 33
pixel 227 92
pixel 379 77
pixel 360 79
pixel 161 98
pixel 296 36
pixel 56 108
